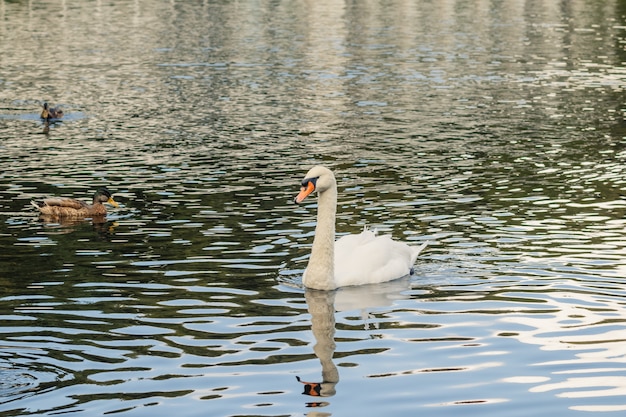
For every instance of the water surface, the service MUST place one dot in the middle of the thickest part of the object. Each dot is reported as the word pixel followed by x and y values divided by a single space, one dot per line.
pixel 495 131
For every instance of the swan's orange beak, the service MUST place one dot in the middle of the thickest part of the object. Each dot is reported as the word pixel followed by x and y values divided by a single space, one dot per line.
pixel 304 192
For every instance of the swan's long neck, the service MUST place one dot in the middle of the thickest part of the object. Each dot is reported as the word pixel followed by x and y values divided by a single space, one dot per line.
pixel 320 273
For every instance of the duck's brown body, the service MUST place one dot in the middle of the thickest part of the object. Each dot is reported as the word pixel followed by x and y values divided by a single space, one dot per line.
pixel 64 207
pixel 49 113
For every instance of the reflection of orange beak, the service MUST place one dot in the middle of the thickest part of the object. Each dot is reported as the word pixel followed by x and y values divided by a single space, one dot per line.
pixel 313 389
pixel 304 192
pixel 113 202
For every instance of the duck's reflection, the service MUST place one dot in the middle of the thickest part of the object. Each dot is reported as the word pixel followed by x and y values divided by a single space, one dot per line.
pixel 322 306
pixel 100 224
pixel 49 123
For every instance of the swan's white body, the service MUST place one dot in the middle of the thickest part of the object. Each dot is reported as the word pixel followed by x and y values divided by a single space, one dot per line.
pixel 353 259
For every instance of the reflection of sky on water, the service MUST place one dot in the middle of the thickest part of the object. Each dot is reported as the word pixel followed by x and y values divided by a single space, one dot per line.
pixel 589 329
pixel 492 129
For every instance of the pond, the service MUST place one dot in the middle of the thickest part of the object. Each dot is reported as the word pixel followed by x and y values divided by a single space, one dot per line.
pixel 494 131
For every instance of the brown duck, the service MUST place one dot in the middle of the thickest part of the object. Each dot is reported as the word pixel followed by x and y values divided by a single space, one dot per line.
pixel 49 113
pixel 70 207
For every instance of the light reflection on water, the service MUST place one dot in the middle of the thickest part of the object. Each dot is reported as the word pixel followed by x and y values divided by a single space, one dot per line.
pixel 494 131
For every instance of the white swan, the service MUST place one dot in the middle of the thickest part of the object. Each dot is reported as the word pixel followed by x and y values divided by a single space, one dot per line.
pixel 353 259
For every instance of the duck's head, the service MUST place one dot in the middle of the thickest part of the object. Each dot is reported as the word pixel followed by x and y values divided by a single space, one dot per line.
pixel 44 113
pixel 318 179
pixel 104 196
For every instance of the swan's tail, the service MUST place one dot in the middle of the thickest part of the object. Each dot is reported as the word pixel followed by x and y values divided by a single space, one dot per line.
pixel 416 250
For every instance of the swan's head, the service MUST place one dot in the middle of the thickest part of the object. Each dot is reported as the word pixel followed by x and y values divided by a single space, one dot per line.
pixel 318 179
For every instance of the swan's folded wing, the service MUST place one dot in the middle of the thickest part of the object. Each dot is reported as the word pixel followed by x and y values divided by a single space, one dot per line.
pixel 366 258
pixel 348 243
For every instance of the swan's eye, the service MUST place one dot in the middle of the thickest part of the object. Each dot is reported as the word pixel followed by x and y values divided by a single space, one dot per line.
pixel 306 181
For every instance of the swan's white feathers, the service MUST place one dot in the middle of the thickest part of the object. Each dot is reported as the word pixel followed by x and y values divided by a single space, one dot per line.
pixel 358 259
pixel 366 259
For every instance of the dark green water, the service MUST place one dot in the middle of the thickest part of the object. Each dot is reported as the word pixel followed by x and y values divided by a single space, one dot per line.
pixel 494 130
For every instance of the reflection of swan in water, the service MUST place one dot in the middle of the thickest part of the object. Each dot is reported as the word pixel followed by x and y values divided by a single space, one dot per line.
pixel 364 297
pixel 322 306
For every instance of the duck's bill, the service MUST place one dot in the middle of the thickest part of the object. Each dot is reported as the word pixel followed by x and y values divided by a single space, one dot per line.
pixel 113 202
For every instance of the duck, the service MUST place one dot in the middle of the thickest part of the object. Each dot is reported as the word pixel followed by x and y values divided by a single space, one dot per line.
pixel 49 113
pixel 64 207
pixel 355 259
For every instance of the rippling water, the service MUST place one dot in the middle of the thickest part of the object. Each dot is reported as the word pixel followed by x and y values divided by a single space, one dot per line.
pixel 495 131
